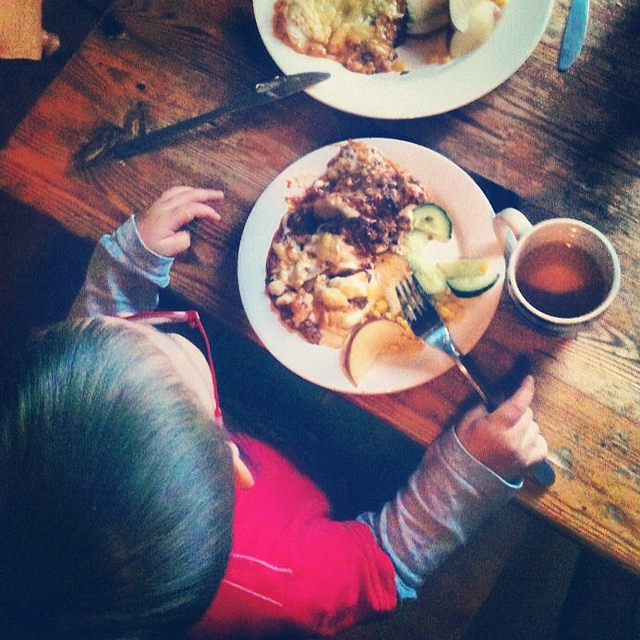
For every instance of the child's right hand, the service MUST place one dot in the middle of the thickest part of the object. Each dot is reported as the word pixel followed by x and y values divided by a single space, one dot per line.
pixel 508 441
pixel 161 227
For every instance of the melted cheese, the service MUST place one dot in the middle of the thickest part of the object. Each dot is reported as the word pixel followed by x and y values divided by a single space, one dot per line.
pixel 358 33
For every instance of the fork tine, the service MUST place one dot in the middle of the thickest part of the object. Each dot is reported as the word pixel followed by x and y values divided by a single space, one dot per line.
pixel 417 293
pixel 413 295
pixel 410 299
pixel 406 302
pixel 416 306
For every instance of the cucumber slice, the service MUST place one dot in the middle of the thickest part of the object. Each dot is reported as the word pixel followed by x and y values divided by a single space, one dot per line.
pixel 471 286
pixel 432 220
pixel 431 279
pixel 463 267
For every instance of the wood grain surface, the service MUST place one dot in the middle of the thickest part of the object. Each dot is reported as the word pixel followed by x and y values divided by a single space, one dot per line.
pixel 566 143
pixel 21 29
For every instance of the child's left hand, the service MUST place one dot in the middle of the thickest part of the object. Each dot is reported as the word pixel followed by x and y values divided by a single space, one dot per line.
pixel 161 226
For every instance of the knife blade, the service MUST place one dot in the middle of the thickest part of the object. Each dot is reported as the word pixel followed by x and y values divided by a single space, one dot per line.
pixel 108 140
pixel 574 33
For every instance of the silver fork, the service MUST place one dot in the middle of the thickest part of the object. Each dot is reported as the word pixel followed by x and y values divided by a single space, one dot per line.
pixel 427 325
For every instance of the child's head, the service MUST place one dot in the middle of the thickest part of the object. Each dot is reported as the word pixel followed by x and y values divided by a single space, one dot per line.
pixel 116 490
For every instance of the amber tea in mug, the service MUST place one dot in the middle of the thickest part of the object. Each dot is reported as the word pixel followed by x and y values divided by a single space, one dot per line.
pixel 561 274
pixel 561 279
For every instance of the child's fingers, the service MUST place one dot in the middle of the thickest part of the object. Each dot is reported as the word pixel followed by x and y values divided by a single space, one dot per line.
pixel 182 196
pixel 524 394
pixel 540 449
pixel 513 408
pixel 175 244
pixel 471 417
pixel 173 191
pixel 179 239
pixel 533 446
pixel 190 212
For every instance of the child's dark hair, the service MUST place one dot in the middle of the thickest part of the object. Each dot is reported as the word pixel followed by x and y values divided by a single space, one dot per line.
pixel 116 491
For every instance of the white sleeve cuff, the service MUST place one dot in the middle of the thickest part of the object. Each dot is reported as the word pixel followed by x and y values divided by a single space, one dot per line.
pixel 127 248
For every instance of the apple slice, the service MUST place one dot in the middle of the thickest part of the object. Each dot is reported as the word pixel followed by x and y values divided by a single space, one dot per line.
pixel 460 11
pixel 480 25
pixel 369 341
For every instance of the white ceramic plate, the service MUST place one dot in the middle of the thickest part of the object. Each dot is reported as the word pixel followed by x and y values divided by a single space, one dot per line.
pixel 427 89
pixel 471 216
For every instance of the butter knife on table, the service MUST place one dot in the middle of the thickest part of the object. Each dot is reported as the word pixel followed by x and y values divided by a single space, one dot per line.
pixel 574 33
pixel 111 141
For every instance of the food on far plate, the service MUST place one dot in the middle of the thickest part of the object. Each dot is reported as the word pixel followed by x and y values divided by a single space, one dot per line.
pixel 360 35
pixel 467 23
pixel 347 241
pixel 427 16
pixel 363 35
pixel 477 26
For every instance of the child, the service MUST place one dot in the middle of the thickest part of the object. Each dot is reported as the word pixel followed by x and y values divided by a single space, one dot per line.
pixel 118 513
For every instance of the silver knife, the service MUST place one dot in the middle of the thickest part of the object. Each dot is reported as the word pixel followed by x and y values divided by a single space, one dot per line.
pixel 108 140
pixel 574 32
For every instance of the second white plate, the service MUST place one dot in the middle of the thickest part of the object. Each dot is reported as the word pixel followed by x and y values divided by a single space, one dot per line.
pixel 427 89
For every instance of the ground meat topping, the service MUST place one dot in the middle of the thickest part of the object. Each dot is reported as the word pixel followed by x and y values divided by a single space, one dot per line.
pixel 332 237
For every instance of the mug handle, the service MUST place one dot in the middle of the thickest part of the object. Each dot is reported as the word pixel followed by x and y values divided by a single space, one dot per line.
pixel 510 225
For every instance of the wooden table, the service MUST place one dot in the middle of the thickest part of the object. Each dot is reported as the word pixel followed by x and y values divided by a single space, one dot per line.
pixel 566 144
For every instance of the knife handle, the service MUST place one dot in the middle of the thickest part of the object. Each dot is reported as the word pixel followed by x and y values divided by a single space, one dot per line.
pixel 543 473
